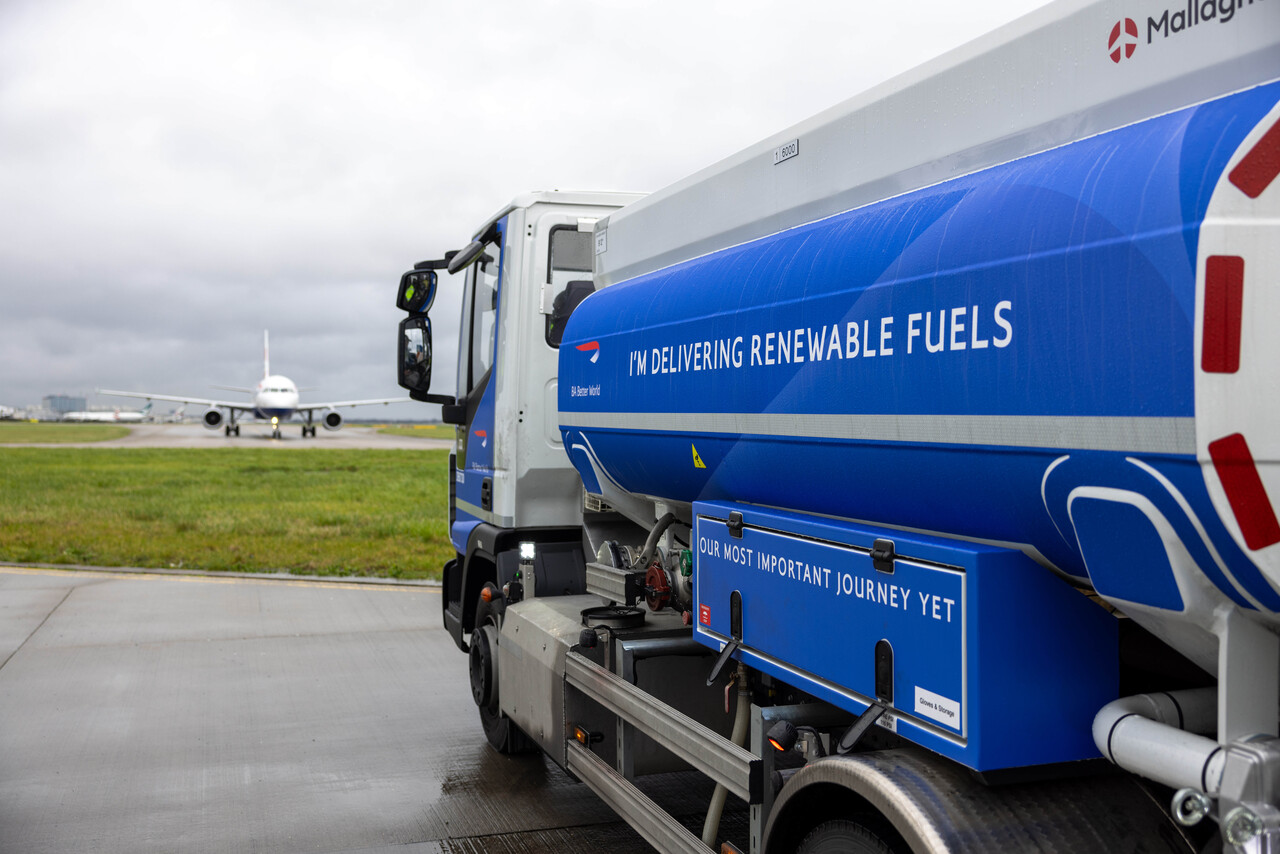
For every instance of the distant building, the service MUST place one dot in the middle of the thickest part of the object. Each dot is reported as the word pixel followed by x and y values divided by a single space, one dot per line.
pixel 60 404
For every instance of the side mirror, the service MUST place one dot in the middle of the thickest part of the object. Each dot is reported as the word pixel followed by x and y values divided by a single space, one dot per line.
pixel 417 291
pixel 454 413
pixel 466 256
pixel 414 354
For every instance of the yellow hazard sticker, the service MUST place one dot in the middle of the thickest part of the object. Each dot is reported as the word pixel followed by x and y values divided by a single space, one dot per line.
pixel 697 460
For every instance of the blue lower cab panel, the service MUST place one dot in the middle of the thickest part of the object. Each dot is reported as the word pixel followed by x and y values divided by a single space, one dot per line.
pixel 985 656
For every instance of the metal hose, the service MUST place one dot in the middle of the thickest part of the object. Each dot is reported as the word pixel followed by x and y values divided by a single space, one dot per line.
pixel 741 721
pixel 651 544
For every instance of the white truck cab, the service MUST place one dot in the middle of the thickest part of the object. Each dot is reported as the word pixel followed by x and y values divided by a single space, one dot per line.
pixel 525 271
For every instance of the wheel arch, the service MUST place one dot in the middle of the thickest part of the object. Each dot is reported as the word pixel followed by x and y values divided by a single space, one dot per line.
pixel 480 569
pixel 490 557
pixel 938 807
pixel 845 787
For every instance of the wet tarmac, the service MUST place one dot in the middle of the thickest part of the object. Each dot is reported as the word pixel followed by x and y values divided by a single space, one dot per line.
pixel 147 712
pixel 253 434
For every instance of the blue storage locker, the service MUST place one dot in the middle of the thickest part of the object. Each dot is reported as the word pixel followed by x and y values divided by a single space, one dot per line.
pixel 993 660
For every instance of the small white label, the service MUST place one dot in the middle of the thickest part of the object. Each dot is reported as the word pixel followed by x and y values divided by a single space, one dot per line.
pixel 459 477
pixel 888 721
pixel 602 241
pixel 937 707
pixel 786 151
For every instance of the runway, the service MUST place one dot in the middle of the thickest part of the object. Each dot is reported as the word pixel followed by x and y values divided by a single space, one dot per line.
pixel 253 434
pixel 159 713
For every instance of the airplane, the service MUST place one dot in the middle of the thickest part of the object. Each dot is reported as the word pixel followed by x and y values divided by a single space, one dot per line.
pixel 116 416
pixel 275 398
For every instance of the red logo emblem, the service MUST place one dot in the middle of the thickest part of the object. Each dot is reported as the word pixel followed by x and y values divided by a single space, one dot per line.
pixel 592 347
pixel 1124 40
pixel 704 614
pixel 484 438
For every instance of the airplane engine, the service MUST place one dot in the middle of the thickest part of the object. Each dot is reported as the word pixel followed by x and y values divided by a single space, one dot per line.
pixel 332 420
pixel 212 419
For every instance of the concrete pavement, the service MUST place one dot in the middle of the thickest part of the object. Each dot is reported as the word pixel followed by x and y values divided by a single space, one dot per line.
pixel 159 713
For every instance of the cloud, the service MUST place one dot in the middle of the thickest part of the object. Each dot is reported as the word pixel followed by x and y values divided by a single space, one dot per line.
pixel 177 176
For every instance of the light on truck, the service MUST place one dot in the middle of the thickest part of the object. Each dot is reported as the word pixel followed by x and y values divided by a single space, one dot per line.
pixel 783 735
pixel 527 551
pixel 585 737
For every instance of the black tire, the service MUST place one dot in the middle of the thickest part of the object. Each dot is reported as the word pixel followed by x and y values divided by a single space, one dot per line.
pixel 840 836
pixel 499 729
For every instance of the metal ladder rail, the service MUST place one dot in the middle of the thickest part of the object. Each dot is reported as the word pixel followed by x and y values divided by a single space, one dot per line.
pixel 648 819
pixel 739 770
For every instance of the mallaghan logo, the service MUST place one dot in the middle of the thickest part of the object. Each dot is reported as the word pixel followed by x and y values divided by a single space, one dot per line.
pixel 1124 39
pixel 1125 34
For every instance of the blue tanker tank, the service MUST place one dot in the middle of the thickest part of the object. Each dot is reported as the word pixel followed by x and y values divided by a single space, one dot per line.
pixel 1071 353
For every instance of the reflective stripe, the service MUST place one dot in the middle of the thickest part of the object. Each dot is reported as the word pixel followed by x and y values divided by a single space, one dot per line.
pixel 1260 166
pixel 1090 433
pixel 1238 472
pixel 484 515
pixel 1223 297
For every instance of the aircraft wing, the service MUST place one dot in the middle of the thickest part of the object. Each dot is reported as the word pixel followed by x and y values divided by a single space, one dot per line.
pixel 225 404
pixel 311 407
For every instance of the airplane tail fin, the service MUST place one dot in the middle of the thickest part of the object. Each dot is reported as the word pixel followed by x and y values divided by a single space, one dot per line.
pixel 266 355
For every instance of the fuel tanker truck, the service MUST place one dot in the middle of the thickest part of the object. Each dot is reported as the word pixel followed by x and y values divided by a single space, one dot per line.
pixel 913 474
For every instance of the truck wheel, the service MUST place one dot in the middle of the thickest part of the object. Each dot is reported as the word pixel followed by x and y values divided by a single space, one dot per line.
pixel 499 729
pixel 839 836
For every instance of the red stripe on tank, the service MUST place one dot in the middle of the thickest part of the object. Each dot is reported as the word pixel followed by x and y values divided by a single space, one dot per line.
pixel 1248 497
pixel 1223 296
pixel 1260 166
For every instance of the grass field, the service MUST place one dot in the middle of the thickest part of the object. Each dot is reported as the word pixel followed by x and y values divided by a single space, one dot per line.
pixel 56 432
pixel 421 431
pixel 319 512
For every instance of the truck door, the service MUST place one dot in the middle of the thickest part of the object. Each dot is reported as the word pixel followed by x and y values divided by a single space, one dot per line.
pixel 474 463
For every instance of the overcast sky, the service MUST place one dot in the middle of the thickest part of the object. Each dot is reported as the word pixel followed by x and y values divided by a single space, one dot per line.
pixel 177 176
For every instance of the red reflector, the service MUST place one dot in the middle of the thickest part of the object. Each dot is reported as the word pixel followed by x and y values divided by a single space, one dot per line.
pixel 1248 497
pixel 1223 293
pixel 1260 166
